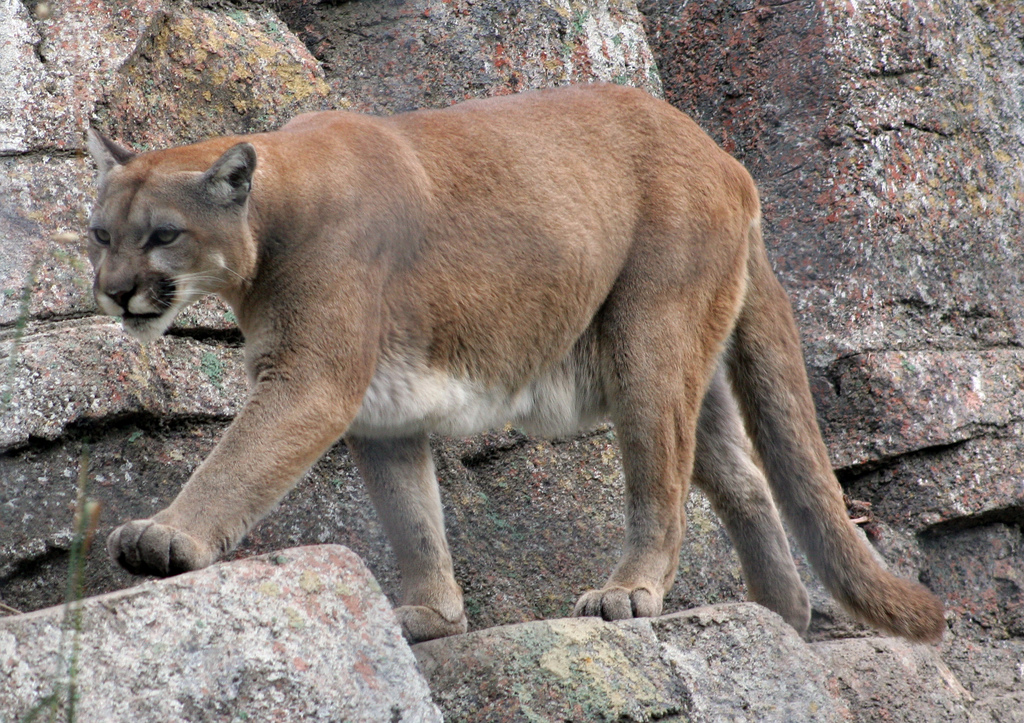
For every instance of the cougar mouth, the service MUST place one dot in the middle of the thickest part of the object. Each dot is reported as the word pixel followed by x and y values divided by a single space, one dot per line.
pixel 159 301
pixel 147 324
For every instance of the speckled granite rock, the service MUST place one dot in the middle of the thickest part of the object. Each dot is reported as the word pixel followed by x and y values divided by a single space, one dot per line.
pixel 300 635
pixel 53 58
pixel 148 73
pixel 886 679
pixel 720 663
pixel 111 375
pixel 727 662
pixel 875 130
pixel 887 140
pixel 198 73
pixel 396 56
pixel 977 571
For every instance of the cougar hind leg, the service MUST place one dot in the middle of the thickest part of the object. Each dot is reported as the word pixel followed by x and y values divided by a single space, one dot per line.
pixel 653 382
pixel 740 496
pixel 399 475
pixel 655 490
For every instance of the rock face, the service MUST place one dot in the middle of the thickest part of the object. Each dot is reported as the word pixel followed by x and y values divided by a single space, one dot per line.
pixel 391 57
pixel 887 679
pixel 887 141
pixel 304 634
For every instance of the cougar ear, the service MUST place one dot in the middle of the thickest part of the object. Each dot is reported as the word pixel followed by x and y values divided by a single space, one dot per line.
pixel 230 177
pixel 105 153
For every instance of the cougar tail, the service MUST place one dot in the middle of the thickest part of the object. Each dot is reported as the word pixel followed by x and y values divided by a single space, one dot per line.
pixel 769 379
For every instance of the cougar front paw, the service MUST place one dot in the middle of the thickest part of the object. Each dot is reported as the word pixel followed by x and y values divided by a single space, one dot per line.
pixel 145 547
pixel 618 603
pixel 420 623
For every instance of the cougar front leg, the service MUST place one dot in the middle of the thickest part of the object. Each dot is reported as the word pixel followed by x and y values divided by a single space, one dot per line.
pixel 399 475
pixel 281 431
pixel 740 496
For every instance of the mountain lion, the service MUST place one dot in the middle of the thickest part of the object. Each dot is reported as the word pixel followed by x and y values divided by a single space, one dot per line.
pixel 546 259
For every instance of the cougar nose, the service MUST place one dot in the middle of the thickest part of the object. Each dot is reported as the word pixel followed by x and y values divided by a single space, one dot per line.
pixel 122 296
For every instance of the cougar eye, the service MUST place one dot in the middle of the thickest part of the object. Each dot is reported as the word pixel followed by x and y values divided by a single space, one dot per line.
pixel 101 236
pixel 163 236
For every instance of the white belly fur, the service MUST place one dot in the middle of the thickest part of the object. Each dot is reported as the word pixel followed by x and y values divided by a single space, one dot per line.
pixel 407 397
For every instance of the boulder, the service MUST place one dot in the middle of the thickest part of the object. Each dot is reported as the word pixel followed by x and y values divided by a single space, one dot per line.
pixel 875 130
pixel 726 662
pixel 303 634
pixel 735 662
pixel 387 57
pixel 886 679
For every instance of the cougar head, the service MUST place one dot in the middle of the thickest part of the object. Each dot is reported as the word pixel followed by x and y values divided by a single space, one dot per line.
pixel 167 228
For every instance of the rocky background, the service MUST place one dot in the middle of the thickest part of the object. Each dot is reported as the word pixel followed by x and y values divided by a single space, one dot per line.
pixel 888 142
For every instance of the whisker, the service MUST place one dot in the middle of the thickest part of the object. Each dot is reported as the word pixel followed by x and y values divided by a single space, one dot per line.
pixel 185 278
pixel 231 270
pixel 194 274
pixel 207 276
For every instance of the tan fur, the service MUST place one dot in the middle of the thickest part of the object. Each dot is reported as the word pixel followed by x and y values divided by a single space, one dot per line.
pixel 546 259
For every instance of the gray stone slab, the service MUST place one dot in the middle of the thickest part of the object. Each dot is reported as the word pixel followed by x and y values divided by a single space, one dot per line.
pixel 304 634
pixel 737 662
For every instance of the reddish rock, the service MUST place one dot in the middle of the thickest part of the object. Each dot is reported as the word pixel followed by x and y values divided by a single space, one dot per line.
pixel 55 56
pixel 980 573
pixel 875 130
pixel 885 679
pixel 888 142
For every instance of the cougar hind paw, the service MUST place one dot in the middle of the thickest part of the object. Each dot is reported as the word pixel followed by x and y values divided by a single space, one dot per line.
pixel 618 603
pixel 420 623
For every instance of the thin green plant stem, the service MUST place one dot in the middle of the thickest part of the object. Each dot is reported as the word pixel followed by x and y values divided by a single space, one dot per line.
pixel 7 609
pixel 87 516
pixel 64 694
